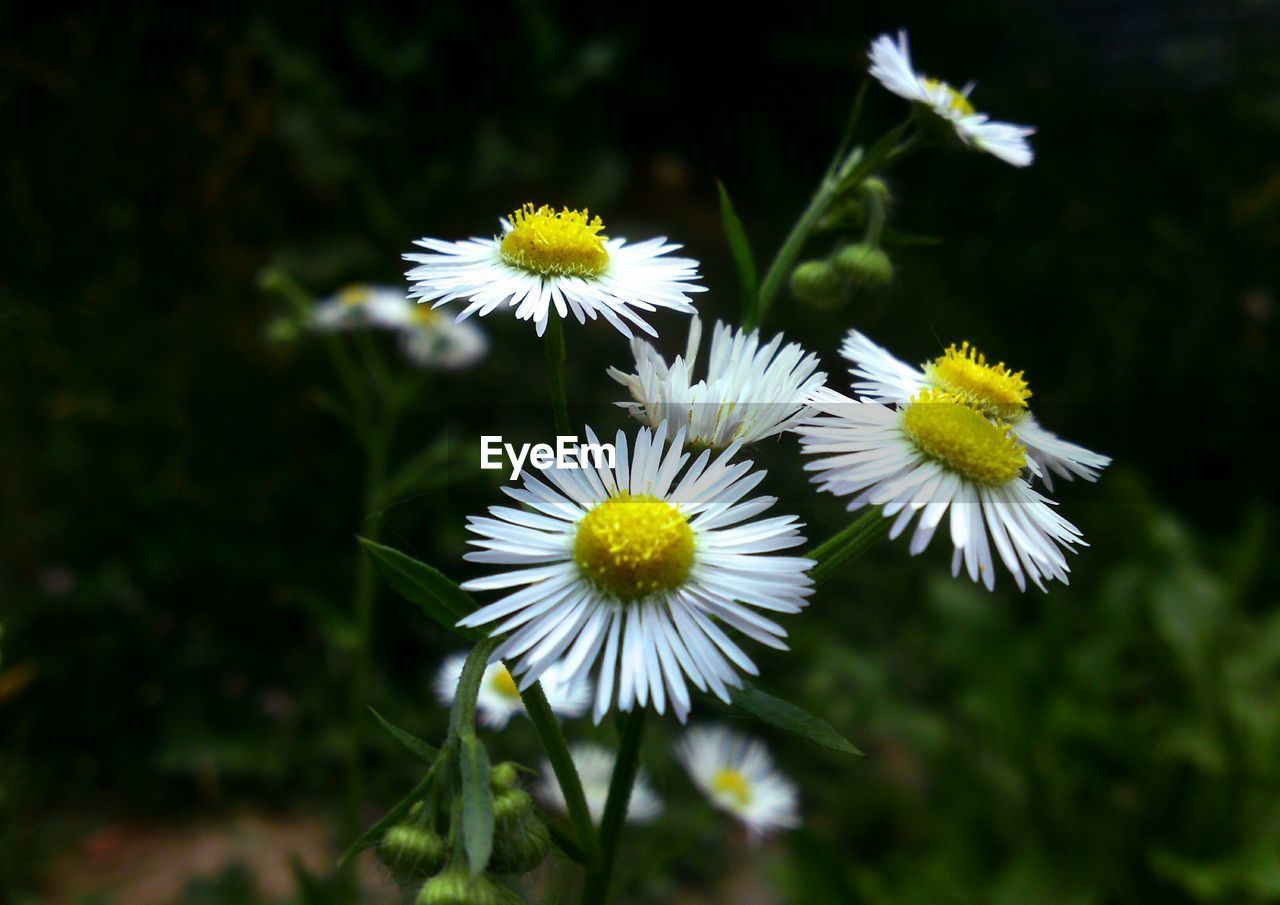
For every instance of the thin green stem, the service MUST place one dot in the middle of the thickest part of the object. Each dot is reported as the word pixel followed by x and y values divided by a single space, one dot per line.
pixel 791 247
pixel 847 545
pixel 548 729
pixel 875 218
pixel 555 349
pixel 463 717
pixel 363 598
pixel 596 889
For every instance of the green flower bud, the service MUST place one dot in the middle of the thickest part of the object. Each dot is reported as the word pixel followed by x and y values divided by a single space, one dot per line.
pixel 864 264
pixel 412 852
pixel 510 805
pixel 522 848
pixel 456 886
pixel 504 776
pixel 816 283
pixel 874 185
pixel 282 330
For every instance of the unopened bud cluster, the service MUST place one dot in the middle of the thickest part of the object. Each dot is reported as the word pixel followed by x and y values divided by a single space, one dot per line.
pixel 418 849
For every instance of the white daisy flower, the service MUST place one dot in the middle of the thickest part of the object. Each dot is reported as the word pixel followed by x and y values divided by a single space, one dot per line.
pixel 993 389
pixel 751 391
pixel 361 305
pixel 427 337
pixel 938 455
pixel 499 698
pixel 739 777
pixel 630 569
pixel 594 764
pixel 891 66
pixel 546 258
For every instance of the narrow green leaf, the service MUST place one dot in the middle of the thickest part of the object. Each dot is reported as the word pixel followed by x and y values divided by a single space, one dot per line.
pixel 898 238
pixel 415 746
pixel 742 257
pixel 477 803
pixel 783 715
pixel 374 833
pixel 436 594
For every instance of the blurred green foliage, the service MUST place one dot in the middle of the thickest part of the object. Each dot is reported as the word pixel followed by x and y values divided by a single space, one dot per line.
pixel 178 509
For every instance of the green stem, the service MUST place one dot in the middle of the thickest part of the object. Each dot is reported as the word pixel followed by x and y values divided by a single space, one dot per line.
pixel 463 718
pixel 552 738
pixel 363 596
pixel 875 218
pixel 596 889
pixel 791 247
pixel 847 545
pixel 555 349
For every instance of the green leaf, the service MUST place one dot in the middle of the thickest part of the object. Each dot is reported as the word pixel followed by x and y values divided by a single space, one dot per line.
pixel 783 715
pixel 742 257
pixel 415 746
pixel 374 833
pixel 436 594
pixel 477 804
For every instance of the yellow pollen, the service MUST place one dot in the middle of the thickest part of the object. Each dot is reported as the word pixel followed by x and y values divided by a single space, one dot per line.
pixel 551 243
pixel 733 784
pixel 992 388
pixel 355 295
pixel 959 436
pixel 955 100
pixel 633 546
pixel 503 683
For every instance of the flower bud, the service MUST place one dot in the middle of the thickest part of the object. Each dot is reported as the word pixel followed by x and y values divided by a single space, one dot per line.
pixel 865 265
pixel 504 776
pixel 412 852
pixel 816 283
pixel 509 806
pixel 456 886
pixel 521 848
pixel 874 185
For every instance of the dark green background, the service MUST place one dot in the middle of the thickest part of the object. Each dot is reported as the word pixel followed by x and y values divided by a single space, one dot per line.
pixel 174 499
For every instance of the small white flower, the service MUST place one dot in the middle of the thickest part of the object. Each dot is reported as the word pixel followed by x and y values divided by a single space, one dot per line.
pixel 428 338
pixel 933 456
pixel 548 259
pixel 739 777
pixel 891 65
pixel 751 391
pixel 993 389
pixel 594 764
pixel 499 698
pixel 632 570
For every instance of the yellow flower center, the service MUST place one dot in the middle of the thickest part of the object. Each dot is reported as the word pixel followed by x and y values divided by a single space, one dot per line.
pixel 993 389
pixel 504 684
pixel 955 100
pixel 632 546
pixel 352 296
pixel 424 315
pixel 947 430
pixel 555 243
pixel 734 786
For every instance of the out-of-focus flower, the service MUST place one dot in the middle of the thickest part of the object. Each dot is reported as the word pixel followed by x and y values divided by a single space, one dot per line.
pixel 739 777
pixel 499 698
pixel 594 764
pixel 891 66
pixel 428 338
pixel 547 259
pixel 751 391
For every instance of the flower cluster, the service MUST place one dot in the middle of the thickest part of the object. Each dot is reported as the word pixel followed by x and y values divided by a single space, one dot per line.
pixel 630 584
